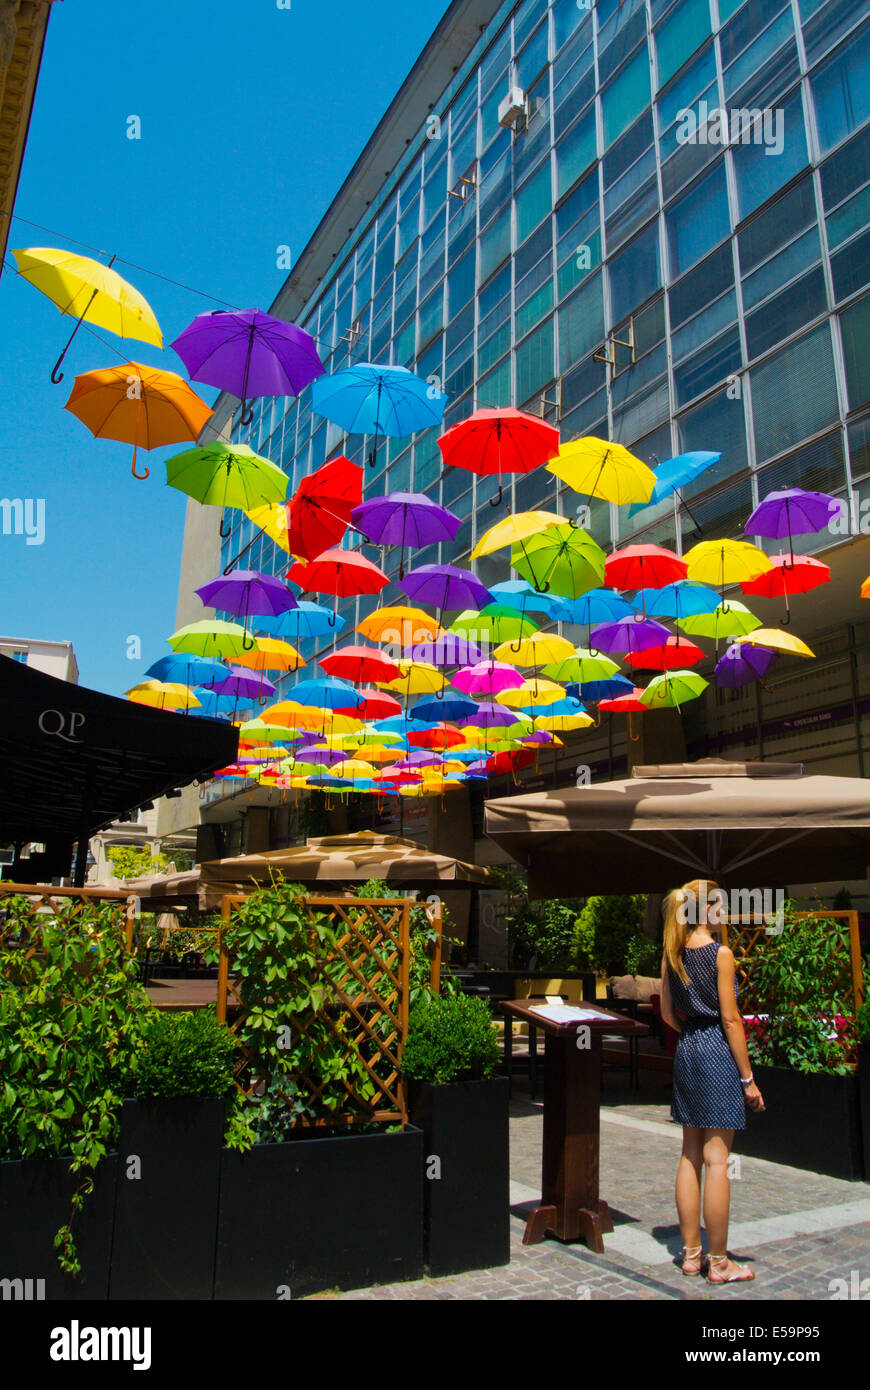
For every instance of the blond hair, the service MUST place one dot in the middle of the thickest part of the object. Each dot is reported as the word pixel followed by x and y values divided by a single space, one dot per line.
pixel 679 925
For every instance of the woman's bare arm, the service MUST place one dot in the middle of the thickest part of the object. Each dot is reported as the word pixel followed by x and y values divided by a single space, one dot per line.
pixel 667 1007
pixel 732 1023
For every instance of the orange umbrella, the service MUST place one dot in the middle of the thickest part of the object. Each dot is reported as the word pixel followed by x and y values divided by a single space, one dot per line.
pixel 271 655
pixel 138 405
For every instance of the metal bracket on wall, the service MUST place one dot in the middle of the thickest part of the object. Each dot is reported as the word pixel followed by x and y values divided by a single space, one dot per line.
pixel 464 188
pixel 613 342
pixel 546 403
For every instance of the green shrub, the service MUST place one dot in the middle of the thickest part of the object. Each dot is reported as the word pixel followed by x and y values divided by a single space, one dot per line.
pixel 183 1054
pixel 450 1038
pixel 543 932
pixel 863 1022
pixel 643 957
pixel 608 931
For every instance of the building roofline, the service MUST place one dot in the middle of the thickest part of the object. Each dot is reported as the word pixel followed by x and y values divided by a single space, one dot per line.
pixel 455 35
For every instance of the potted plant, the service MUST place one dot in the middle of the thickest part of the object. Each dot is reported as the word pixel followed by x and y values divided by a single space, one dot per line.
pixel 327 1195
pixel 799 1037
pixel 450 1058
pixel 172 1127
pixel 862 1025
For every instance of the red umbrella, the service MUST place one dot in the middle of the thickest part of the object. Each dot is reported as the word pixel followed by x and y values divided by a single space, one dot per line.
pixel 626 704
pixel 439 737
pixel 676 653
pixel 318 513
pixel 342 573
pixel 360 664
pixel 512 760
pixel 376 704
pixel 790 575
pixel 499 441
pixel 643 567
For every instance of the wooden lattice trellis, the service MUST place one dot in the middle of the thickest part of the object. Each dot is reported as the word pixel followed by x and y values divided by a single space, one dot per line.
pixel 745 935
pixel 366 978
pixel 44 899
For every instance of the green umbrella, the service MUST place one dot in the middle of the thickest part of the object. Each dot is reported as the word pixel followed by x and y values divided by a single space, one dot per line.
pixel 672 689
pixel 563 560
pixel 207 638
pixel 496 623
pixel 255 731
pixel 728 620
pixel 227 475
pixel 583 666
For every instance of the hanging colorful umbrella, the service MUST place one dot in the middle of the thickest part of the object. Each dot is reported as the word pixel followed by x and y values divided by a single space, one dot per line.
pixel 629 703
pixel 777 641
pixel 271 519
pixel 210 639
pixel 792 512
pixel 514 529
pixel 491 716
pixel 643 567
pixel 415 678
pixel 375 704
pixel 227 475
pixel 682 599
pixel 675 474
pixel 437 737
pixel 187 669
pixel 447 650
pixel 259 731
pixel 343 573
pixel 599 606
pixel 491 443
pixel 249 354
pixel 138 405
pixel 495 622
pixel 450 707
pixel 320 510
pixel 271 655
pixel 399 626
pixel 563 559
pixel 244 686
pixel 246 592
pixel 444 587
pixel 611 688
pixel 326 693
pixel 519 594
pixel 486 678
pixel 88 291
pixel 582 665
pixel 531 694
pixel 162 695
pixel 305 620
pixel 600 468
pixel 725 562
pixel 728 620
pixel 797 576
pixel 670 656
pixel 741 665
pixel 360 664
pixel 369 398
pixel 628 635
pixel 673 689
pixel 406 519
pixel 540 649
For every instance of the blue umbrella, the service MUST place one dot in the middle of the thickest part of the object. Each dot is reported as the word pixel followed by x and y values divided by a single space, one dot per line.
pixel 682 599
pixel 608 689
pixel 369 398
pixel 519 594
pixel 328 692
pixel 403 724
pixel 451 707
pixel 677 473
pixel 212 705
pixel 567 706
pixel 305 620
pixel 598 606
pixel 188 670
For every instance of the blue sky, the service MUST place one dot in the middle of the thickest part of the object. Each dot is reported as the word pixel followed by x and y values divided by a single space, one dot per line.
pixel 250 116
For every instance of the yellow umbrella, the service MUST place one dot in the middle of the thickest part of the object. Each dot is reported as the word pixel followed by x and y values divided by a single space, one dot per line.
pixel 163 695
pixel 513 529
pixel 271 655
pixel 417 678
pixel 540 649
pixel 533 692
pixel 725 562
pixel 351 770
pixel 562 723
pixel 777 641
pixel 400 626
pixel 294 716
pixel 272 518
pixel 600 468
pixel 88 290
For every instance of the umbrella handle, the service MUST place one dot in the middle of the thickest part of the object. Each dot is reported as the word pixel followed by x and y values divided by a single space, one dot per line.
pixel 224 535
pixel 248 646
pixel 635 738
pixel 496 501
pixel 140 476
pixel 784 622
pixel 247 414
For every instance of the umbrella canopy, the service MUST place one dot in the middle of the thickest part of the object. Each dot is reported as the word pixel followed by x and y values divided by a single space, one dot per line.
pixel 360 664
pixel 564 559
pixel 271 655
pixel 486 678
pixel 672 689
pixel 741 665
pixel 799 576
pixel 629 703
pixel 611 688
pixel 369 398
pixel 531 694
pixel 436 736
pixel 734 823
pixel 582 665
pixel 682 599
pixel 320 510
pixel 675 474
pixel 249 354
pixel 495 622
pixel 162 695
pixel 491 716
pixel 600 468
pixel 519 594
pixel 328 693
pixel 305 620
pixel 187 669
pixel 343 573
pixel 415 678
pixel 210 639
pixel 447 650
pixel 495 442
pixel 450 706
pixel 405 519
pixel 670 656
pixel 777 641
pixel 628 635
pixel 792 512
pixel 227 475
pixel 444 586
pixel 272 520
pixel 244 685
pixel 599 606
pixel 725 562
pixel 138 405
pixel 541 649
pixel 246 592
pixel 643 567
pixel 728 620
pixel 375 704
pixel 400 626
pixel 514 529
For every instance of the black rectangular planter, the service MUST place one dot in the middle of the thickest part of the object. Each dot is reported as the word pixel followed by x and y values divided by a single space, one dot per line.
pixel 166 1204
pixel 810 1121
pixel 864 1102
pixel 313 1214
pixel 35 1197
pixel 467 1186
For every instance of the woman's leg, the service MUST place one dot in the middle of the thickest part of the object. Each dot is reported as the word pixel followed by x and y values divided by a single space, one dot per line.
pixel 688 1190
pixel 717 1196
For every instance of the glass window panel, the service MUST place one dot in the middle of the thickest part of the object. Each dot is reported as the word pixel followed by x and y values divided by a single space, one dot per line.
pixel 688 87
pixel 463 149
pixel 533 58
pixel 802 253
pixel 859 447
pixel 536 305
pixel 495 186
pixel 766 49
pixel 682 32
pixel 841 91
pixel 762 168
pixel 697 221
pixel 818 466
pixel 849 218
pixel 495 346
pixel 573 87
pixel 534 201
pixel 633 212
pixel 617 39
pixel 649 327
pixel 626 152
pixel 846 170
pixel 494 298
pixel 495 245
pixel 717 423
pixel 824 21
pixel 568 17
pixel 755 17
pixel 786 313
pixel 460 284
pixel 767 233
pixel 626 96
pixel 635 274
pixel 704 326
pixel 575 152
pixel 794 394
pixel 494 389
pixel 430 319
pixel 642 413
pixel 850 268
pixel 581 324
pixel 535 366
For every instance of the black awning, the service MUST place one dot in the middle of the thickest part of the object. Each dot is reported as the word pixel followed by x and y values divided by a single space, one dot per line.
pixel 73 760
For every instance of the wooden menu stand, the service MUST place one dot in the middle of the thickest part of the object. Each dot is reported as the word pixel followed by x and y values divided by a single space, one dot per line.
pixel 570 1207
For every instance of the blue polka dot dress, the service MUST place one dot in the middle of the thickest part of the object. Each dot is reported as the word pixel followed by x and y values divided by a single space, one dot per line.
pixel 707 1091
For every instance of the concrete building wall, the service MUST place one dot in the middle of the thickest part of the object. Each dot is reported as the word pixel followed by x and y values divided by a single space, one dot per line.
pixel 52 658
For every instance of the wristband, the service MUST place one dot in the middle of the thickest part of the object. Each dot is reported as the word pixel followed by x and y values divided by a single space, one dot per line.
pixel 748 1081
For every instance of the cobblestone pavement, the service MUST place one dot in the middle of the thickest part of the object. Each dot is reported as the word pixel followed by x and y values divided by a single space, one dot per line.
pixel 799 1231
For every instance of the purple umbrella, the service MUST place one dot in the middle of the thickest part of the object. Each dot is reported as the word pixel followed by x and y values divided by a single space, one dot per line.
pixel 420 757
pixel 742 665
pixel 248 592
pixel 405 519
pixel 326 756
pixel 249 353
pixel 490 716
pixel 792 512
pixel 628 635
pixel 242 684
pixel 444 586
pixel 450 649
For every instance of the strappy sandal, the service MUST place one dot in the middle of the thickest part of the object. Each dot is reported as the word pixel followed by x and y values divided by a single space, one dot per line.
pixel 694 1252
pixel 742 1274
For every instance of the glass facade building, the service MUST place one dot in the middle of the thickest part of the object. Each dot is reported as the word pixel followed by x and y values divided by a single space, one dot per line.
pixel 627 263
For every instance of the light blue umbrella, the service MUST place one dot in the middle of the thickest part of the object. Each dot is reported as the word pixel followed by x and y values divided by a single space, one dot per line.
pixel 519 594
pixel 682 599
pixel 369 398
pixel 674 474
pixel 186 669
pixel 598 606
pixel 306 620
pixel 450 707
pixel 327 692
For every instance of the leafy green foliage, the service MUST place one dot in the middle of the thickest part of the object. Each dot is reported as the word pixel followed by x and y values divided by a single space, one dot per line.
pixel 610 935
pixel 128 861
pixel 543 932
pixel 424 939
pixel 183 1054
pixel 450 1038
pixel 795 980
